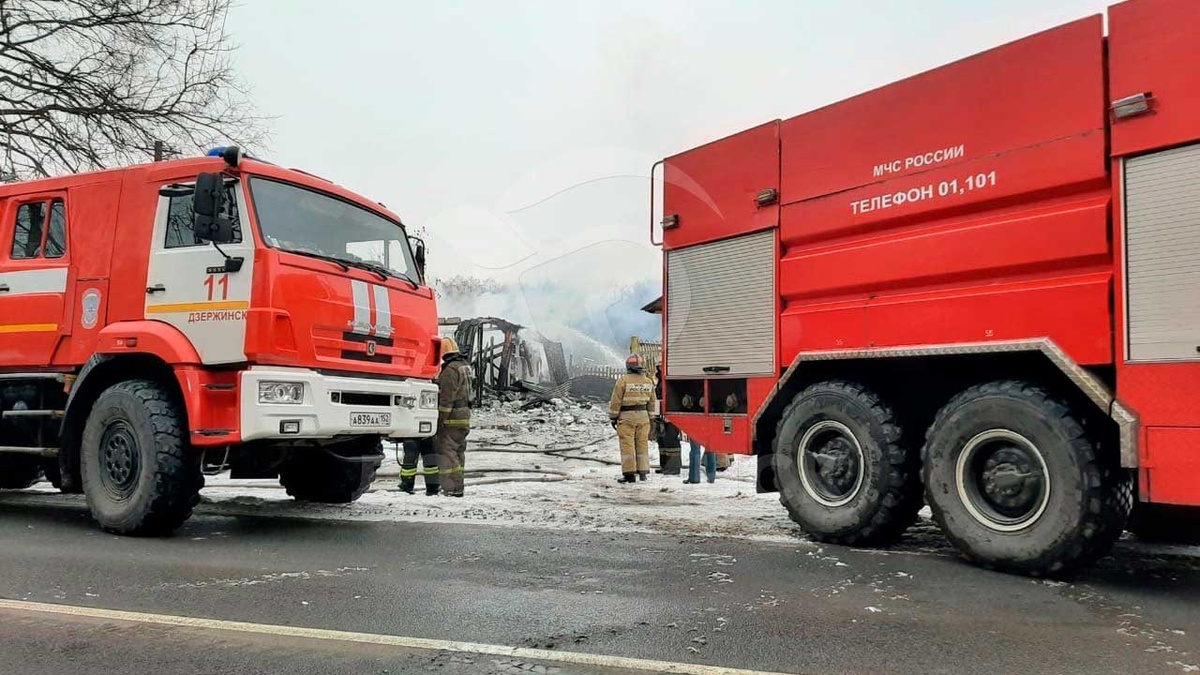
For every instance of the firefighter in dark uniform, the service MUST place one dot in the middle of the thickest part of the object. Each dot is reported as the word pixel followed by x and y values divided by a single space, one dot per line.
pixel 424 450
pixel 630 410
pixel 454 417
pixel 666 435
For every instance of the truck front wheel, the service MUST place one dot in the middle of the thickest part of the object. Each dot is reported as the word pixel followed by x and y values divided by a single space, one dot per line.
pixel 1014 481
pixel 337 474
pixel 139 475
pixel 842 470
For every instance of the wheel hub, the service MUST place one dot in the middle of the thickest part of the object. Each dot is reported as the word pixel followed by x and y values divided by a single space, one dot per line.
pixel 120 459
pixel 831 463
pixel 1003 480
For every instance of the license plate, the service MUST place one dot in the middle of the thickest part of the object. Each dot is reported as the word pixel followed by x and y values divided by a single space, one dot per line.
pixel 359 419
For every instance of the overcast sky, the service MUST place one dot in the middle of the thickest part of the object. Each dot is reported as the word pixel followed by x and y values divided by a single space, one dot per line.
pixel 520 134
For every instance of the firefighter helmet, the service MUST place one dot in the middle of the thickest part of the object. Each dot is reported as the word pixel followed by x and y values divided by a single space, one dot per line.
pixel 634 363
pixel 449 346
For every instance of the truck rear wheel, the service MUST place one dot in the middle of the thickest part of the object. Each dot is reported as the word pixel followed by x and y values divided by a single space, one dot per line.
pixel 338 474
pixel 841 468
pixel 139 475
pixel 1015 482
pixel 18 472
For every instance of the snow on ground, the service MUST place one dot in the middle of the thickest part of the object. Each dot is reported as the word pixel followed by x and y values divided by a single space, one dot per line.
pixel 554 466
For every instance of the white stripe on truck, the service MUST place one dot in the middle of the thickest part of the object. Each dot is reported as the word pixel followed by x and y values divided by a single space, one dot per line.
pixel 34 281
pixel 383 312
pixel 362 307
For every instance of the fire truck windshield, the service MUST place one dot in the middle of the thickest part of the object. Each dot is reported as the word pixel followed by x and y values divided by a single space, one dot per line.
pixel 304 221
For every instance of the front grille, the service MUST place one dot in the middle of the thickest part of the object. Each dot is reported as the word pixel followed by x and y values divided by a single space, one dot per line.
pixel 359 398
pixel 360 338
pixel 363 356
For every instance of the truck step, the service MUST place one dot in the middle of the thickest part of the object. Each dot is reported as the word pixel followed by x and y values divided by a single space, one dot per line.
pixel 56 377
pixel 59 414
pixel 21 450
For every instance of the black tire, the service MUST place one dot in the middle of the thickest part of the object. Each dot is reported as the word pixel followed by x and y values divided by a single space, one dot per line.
pixel 855 499
pixel 18 472
pixel 1016 483
pixel 139 474
pixel 316 475
pixel 1165 523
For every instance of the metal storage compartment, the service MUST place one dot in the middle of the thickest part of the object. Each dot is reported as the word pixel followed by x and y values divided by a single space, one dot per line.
pixel 721 308
pixel 1162 254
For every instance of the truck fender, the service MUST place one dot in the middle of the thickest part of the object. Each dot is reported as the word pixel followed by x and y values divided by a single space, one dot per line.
pixel 77 385
pixel 148 337
pixel 1087 383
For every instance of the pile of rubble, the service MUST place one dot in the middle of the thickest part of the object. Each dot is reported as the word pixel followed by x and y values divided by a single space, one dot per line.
pixel 511 361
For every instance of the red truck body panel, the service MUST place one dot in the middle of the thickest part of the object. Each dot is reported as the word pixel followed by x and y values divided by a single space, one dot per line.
pixel 713 187
pixel 1154 48
pixel 980 201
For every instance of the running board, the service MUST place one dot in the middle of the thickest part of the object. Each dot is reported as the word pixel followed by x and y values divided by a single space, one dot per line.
pixel 20 450
pixel 57 414
pixel 57 377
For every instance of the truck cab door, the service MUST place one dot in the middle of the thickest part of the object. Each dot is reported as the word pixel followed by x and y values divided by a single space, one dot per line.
pixel 34 271
pixel 187 282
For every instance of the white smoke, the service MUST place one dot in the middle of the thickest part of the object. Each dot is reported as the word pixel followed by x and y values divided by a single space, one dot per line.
pixel 593 324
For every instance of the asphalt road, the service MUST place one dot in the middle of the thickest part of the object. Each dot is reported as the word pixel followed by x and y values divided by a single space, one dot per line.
pixel 763 606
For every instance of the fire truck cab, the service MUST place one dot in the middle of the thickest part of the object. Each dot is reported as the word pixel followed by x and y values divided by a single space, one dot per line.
pixel 164 321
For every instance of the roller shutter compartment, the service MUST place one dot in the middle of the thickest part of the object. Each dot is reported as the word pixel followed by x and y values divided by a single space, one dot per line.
pixel 721 307
pixel 1162 249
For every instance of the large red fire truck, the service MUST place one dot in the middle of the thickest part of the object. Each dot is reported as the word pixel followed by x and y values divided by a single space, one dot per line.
pixel 977 288
pixel 164 321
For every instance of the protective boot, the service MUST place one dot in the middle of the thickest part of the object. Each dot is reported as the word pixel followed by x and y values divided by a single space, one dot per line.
pixel 642 475
pixel 627 478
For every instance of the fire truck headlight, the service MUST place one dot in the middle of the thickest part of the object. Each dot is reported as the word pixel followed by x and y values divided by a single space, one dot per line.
pixel 281 392
pixel 429 400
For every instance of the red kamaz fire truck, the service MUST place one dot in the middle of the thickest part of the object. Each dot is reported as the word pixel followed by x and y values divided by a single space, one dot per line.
pixel 977 288
pixel 160 322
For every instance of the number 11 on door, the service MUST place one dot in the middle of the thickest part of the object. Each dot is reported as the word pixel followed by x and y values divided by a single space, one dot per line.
pixel 215 284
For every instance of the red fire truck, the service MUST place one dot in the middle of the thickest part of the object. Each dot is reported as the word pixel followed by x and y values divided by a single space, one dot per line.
pixel 976 288
pixel 165 321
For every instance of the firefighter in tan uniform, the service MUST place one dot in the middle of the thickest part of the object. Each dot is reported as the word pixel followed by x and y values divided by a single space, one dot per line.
pixel 632 406
pixel 454 417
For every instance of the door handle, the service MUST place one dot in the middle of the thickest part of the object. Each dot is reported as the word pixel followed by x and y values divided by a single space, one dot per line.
pixel 156 288
pixel 4 288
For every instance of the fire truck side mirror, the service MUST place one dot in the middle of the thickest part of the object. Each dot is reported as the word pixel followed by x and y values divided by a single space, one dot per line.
pixel 206 205
pixel 419 257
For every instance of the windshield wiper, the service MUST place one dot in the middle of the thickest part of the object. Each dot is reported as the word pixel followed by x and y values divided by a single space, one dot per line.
pixel 345 265
pixel 385 272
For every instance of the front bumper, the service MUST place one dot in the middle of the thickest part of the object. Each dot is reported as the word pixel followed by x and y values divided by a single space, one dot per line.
pixel 335 406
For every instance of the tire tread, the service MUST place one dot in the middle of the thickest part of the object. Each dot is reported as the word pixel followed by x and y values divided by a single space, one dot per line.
pixel 901 506
pixel 177 478
pixel 1107 488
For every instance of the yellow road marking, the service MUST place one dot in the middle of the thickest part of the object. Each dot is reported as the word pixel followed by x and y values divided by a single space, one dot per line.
pixel 28 328
pixel 577 658
pixel 197 306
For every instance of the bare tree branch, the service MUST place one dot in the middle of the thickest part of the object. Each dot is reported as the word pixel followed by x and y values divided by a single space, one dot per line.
pixel 88 84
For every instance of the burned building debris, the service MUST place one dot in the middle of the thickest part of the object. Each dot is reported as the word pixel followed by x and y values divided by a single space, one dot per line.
pixel 508 358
